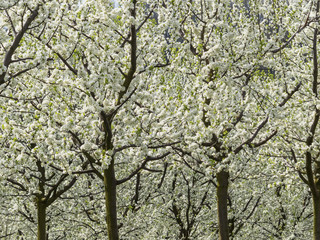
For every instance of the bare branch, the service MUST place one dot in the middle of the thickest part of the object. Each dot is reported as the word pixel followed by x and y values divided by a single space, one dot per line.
pixel 142 166
pixel 247 142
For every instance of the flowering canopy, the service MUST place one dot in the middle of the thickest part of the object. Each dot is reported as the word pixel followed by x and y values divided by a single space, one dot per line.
pixel 159 119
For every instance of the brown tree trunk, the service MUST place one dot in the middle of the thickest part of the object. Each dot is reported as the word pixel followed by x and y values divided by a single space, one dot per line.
pixel 222 195
pixel 41 212
pixel 111 202
pixel 316 217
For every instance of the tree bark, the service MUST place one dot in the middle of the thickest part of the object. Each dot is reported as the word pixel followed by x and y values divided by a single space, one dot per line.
pixel 41 211
pixel 222 195
pixel 111 202
pixel 316 217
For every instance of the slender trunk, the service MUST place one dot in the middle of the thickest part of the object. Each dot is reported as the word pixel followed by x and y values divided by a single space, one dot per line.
pixel 222 195
pixel 111 201
pixel 316 218
pixel 41 211
pixel 185 234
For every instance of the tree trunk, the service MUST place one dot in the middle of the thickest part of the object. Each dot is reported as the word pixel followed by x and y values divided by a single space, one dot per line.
pixel 316 217
pixel 41 211
pixel 222 195
pixel 111 202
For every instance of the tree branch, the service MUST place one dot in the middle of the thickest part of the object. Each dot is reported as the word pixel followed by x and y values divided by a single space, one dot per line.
pixel 16 42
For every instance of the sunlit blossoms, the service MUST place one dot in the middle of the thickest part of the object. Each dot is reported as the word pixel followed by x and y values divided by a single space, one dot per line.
pixel 137 119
